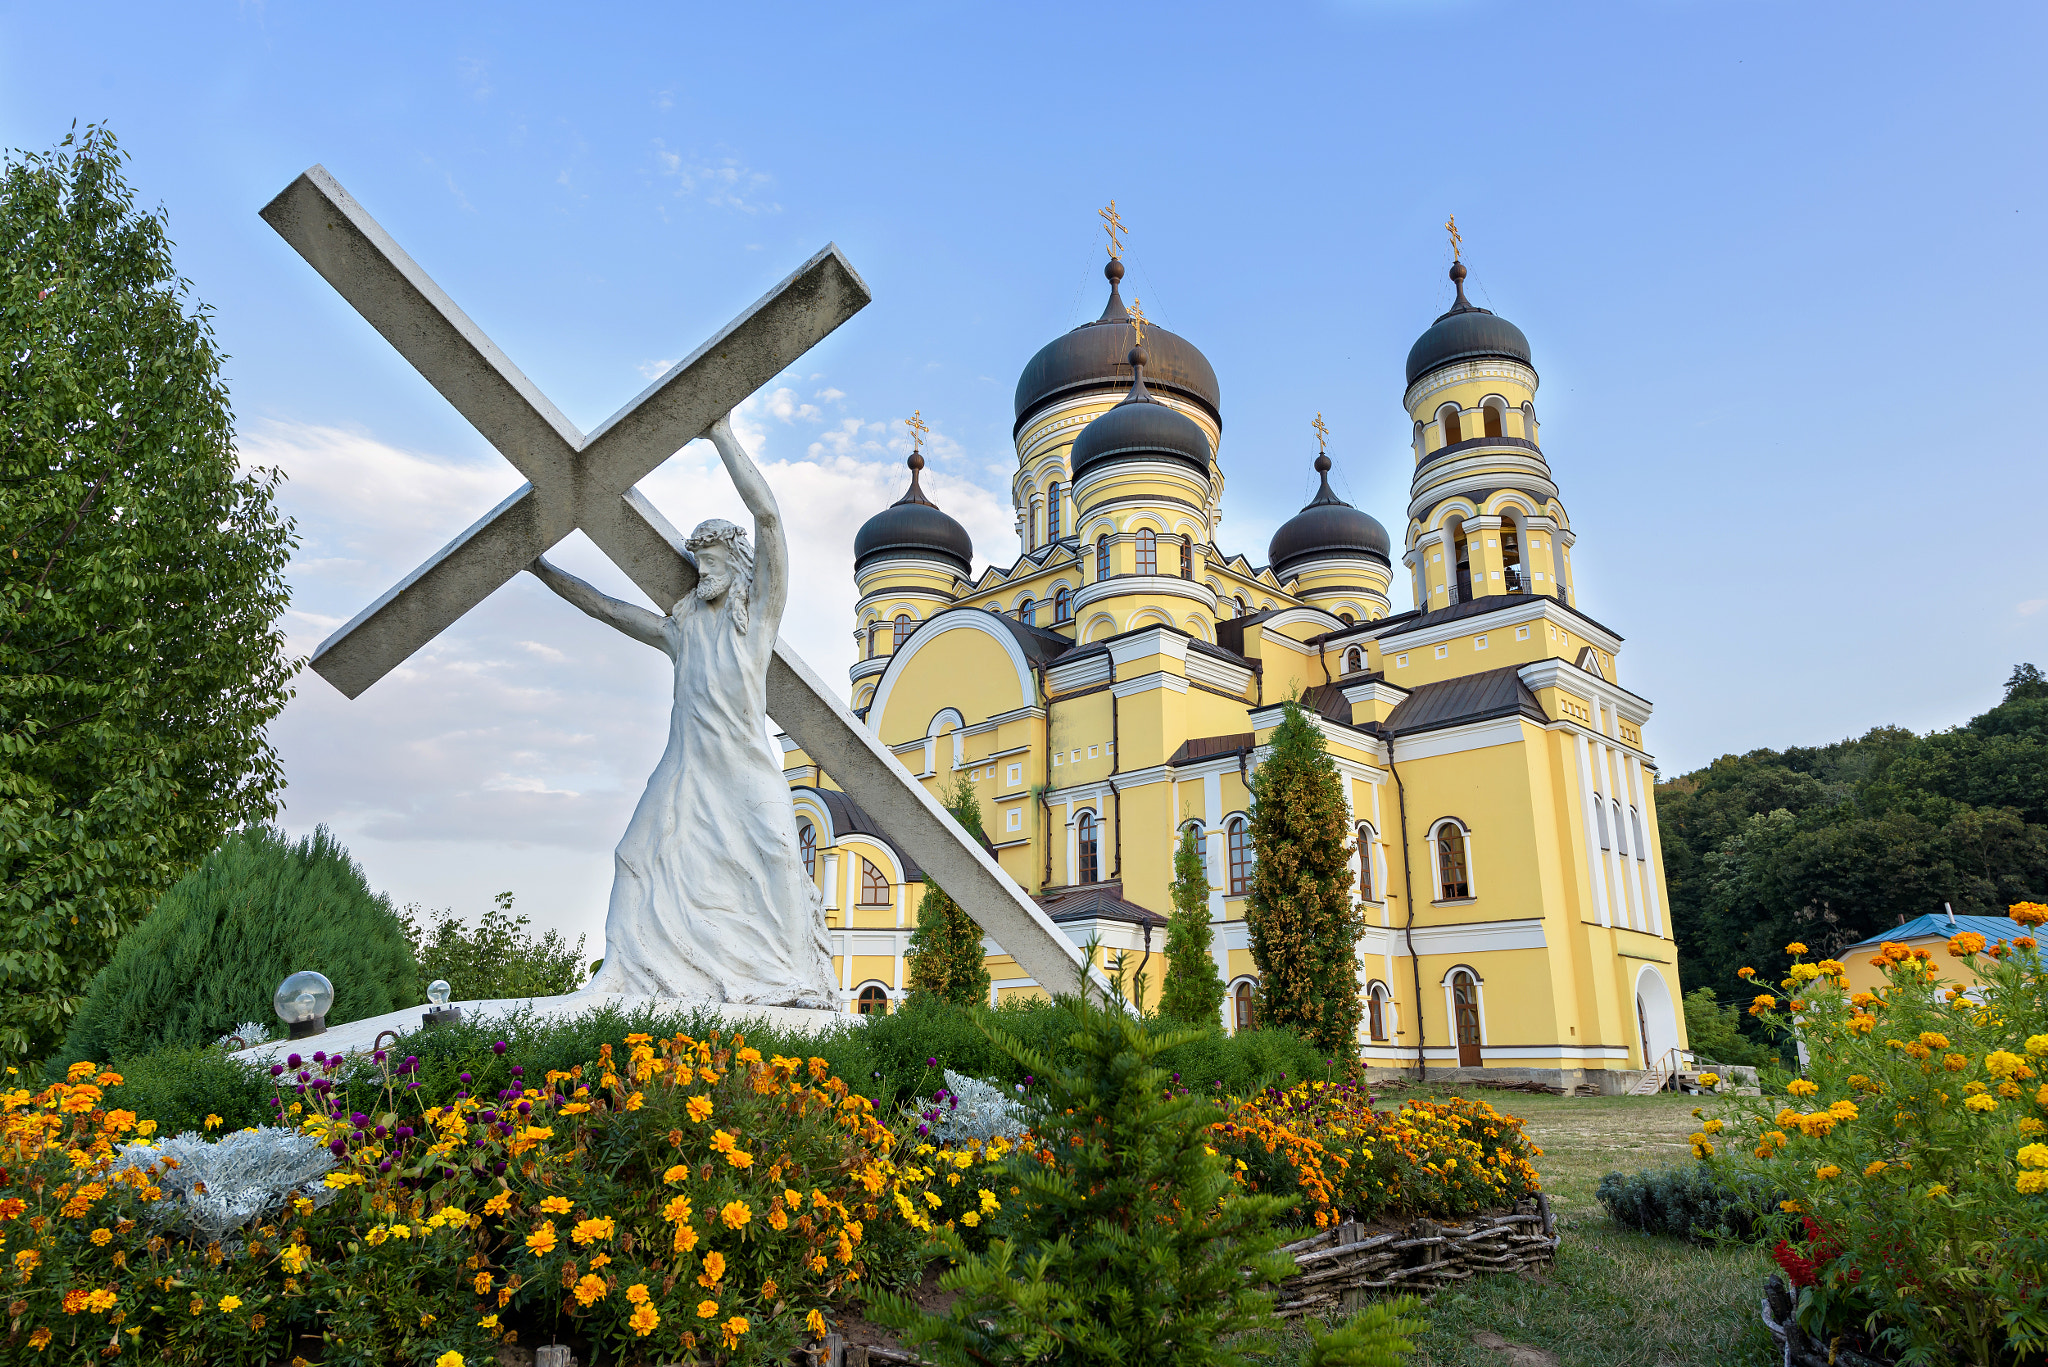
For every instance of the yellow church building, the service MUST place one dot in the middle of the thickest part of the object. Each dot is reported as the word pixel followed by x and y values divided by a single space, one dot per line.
pixel 1117 681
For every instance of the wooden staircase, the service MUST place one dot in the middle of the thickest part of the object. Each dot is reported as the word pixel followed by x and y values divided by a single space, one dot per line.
pixel 1673 1064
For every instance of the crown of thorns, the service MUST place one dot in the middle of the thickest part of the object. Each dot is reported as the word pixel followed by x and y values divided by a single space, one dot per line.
pixel 718 532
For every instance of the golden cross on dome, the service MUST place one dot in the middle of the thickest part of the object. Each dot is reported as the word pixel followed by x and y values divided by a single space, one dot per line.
pixel 915 422
pixel 1322 435
pixel 1451 227
pixel 1114 226
pixel 1138 319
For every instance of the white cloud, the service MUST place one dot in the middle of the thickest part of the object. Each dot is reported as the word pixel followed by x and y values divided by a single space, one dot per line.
pixel 724 182
pixel 654 370
pixel 2032 606
pixel 829 395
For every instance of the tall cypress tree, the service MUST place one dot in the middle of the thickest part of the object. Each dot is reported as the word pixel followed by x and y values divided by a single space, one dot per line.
pixel 945 950
pixel 1193 990
pixel 1303 921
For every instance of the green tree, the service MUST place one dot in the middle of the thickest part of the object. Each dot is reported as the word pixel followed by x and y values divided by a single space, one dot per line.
pixel 500 958
pixel 1132 1246
pixel 1303 921
pixel 945 958
pixel 141 579
pixel 256 910
pixel 1193 991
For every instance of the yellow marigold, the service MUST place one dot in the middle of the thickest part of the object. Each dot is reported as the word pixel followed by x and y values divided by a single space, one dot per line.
pixel 40 1339
pixel 1790 1207
pixel 1827 1171
pixel 293 1258
pixel 1877 1166
pixel 591 1230
pixel 707 1309
pixel 723 1142
pixel 777 1220
pixel 815 1322
pixel 451 1358
pixel 644 1319
pixel 2029 1125
pixel 734 1328
pixel 1795 948
pixel 1938 1189
pixel 498 1204
pixel 2037 1045
pixel 1955 1063
pixel 1982 1104
pixel 699 1108
pixel 1844 1109
pixel 1964 945
pixel 1764 1002
pixel 1800 1086
pixel 2031 1183
pixel 102 1236
pixel 714 1269
pixel 740 1158
pixel 483 1283
pixel 2033 1156
pixel 1710 1079
pixel 230 1304
pixel 542 1240
pixel 735 1214
pixel 590 1289
pixel 1934 1039
pixel 677 1210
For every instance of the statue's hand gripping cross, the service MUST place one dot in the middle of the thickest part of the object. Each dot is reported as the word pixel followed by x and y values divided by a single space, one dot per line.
pixel 577 481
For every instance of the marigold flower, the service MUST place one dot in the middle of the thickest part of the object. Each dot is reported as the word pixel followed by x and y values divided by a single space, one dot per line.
pixel 686 1238
pixel 2033 1156
pixel 714 1269
pixel 542 1240
pixel 1876 1166
pixel 1745 973
pixel 2031 1183
pixel 644 1319
pixel 1966 944
pixel 676 1175
pixel 736 1213
pixel 815 1322
pixel 230 1304
pixel 451 1358
pixel 740 1158
pixel 591 1230
pixel 1982 1104
pixel 1790 1207
pixel 1795 948
pixel 706 1309
pixel 1934 1039
pixel 590 1289
pixel 777 1220
pixel 723 1142
pixel 1827 1171
pixel 1710 1079
pixel 733 1328
pixel 40 1339
pixel 1938 1189
pixel 1800 1086
pixel 677 1210
pixel 2028 913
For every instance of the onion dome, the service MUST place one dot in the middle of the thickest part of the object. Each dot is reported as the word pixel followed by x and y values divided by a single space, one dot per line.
pixel 1327 527
pixel 913 528
pixel 1091 357
pixel 1467 332
pixel 1140 428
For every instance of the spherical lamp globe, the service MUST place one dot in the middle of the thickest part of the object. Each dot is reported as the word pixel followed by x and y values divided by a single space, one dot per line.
pixel 302 1001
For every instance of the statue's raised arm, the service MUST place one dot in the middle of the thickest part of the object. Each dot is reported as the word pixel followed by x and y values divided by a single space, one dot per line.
pixel 769 591
pixel 637 622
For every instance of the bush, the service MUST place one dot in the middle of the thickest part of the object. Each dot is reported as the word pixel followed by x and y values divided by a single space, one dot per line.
pixel 890 1053
pixel 214 950
pixel 1911 1154
pixel 1715 1032
pixel 1689 1201
pixel 498 959
pixel 180 1088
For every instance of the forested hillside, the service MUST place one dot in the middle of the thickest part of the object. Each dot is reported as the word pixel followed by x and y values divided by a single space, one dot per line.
pixel 1828 844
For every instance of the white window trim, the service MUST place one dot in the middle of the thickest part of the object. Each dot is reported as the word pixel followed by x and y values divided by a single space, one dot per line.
pixel 1436 871
pixel 1451 1006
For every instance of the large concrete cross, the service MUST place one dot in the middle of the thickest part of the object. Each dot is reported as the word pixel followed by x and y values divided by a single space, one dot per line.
pixel 587 481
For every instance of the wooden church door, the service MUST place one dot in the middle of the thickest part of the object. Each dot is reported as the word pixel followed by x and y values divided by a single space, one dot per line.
pixel 1465 1005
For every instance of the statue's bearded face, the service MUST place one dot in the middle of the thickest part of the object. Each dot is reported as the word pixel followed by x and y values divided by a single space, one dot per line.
pixel 714 572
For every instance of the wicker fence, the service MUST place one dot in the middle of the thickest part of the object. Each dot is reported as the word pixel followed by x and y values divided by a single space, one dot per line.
pixel 1342 1267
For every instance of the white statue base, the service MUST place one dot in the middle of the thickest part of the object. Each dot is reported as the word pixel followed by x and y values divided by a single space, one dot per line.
pixel 360 1037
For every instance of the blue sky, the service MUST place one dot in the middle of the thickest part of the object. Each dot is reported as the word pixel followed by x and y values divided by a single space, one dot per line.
pixel 1779 264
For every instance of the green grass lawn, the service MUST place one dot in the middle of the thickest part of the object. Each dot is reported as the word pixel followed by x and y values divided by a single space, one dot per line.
pixel 1614 1296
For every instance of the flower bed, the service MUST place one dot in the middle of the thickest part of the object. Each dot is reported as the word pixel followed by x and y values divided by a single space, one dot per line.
pixel 692 1200
pixel 1915 1216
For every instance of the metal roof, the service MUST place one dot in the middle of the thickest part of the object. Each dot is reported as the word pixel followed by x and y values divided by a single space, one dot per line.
pixel 848 818
pixel 1208 747
pixel 1938 924
pixel 1104 901
pixel 1454 702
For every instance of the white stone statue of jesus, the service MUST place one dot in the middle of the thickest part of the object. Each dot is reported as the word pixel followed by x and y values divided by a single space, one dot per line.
pixel 710 900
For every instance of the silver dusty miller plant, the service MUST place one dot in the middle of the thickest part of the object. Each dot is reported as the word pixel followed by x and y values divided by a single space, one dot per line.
pixel 220 1185
pixel 967 1108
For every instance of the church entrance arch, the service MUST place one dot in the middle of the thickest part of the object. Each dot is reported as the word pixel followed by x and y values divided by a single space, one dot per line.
pixel 1465 1014
pixel 1656 1016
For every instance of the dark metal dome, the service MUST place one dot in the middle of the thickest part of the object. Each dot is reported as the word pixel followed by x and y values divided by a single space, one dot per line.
pixel 1092 357
pixel 1328 526
pixel 1140 428
pixel 1467 332
pixel 913 527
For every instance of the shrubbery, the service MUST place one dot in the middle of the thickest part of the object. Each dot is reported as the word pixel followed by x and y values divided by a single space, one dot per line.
pixel 1689 1201
pixel 210 956
pixel 1911 1154
pixel 498 959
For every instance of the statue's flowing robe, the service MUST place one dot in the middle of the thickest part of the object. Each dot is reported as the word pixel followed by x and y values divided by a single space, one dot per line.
pixel 709 895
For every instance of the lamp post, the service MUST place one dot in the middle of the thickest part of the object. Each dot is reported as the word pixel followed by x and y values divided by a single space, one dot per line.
pixel 302 1002
pixel 441 1013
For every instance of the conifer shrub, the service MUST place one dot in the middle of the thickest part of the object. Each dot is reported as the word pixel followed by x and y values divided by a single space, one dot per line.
pixel 1127 1241
pixel 179 1088
pixel 1303 922
pixel 1688 1201
pixel 258 908
pixel 1193 990
pixel 944 957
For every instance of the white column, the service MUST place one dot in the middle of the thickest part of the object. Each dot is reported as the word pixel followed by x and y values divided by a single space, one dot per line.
pixel 1073 848
pixel 1212 837
pixel 832 881
pixel 1596 873
pixel 1646 865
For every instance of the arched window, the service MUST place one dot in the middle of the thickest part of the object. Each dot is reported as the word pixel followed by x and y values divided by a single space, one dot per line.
pixel 1453 875
pixel 873 1000
pixel 904 626
pixel 1365 842
pixel 1354 660
pixel 1239 839
pixel 1031 530
pixel 1063 606
pixel 1187 556
pixel 1600 816
pixel 1465 1017
pixel 1027 612
pixel 1620 831
pixel 1635 825
pixel 874 888
pixel 1242 606
pixel 1453 432
pixel 1101 558
pixel 1052 513
pixel 1491 417
pixel 807 845
pixel 1376 1012
pixel 1090 848
pixel 1245 1000
pixel 1346 618
pixel 1148 552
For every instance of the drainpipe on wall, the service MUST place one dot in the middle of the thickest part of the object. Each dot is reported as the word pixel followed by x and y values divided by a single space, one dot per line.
pixel 1116 766
pixel 1044 788
pixel 1408 892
